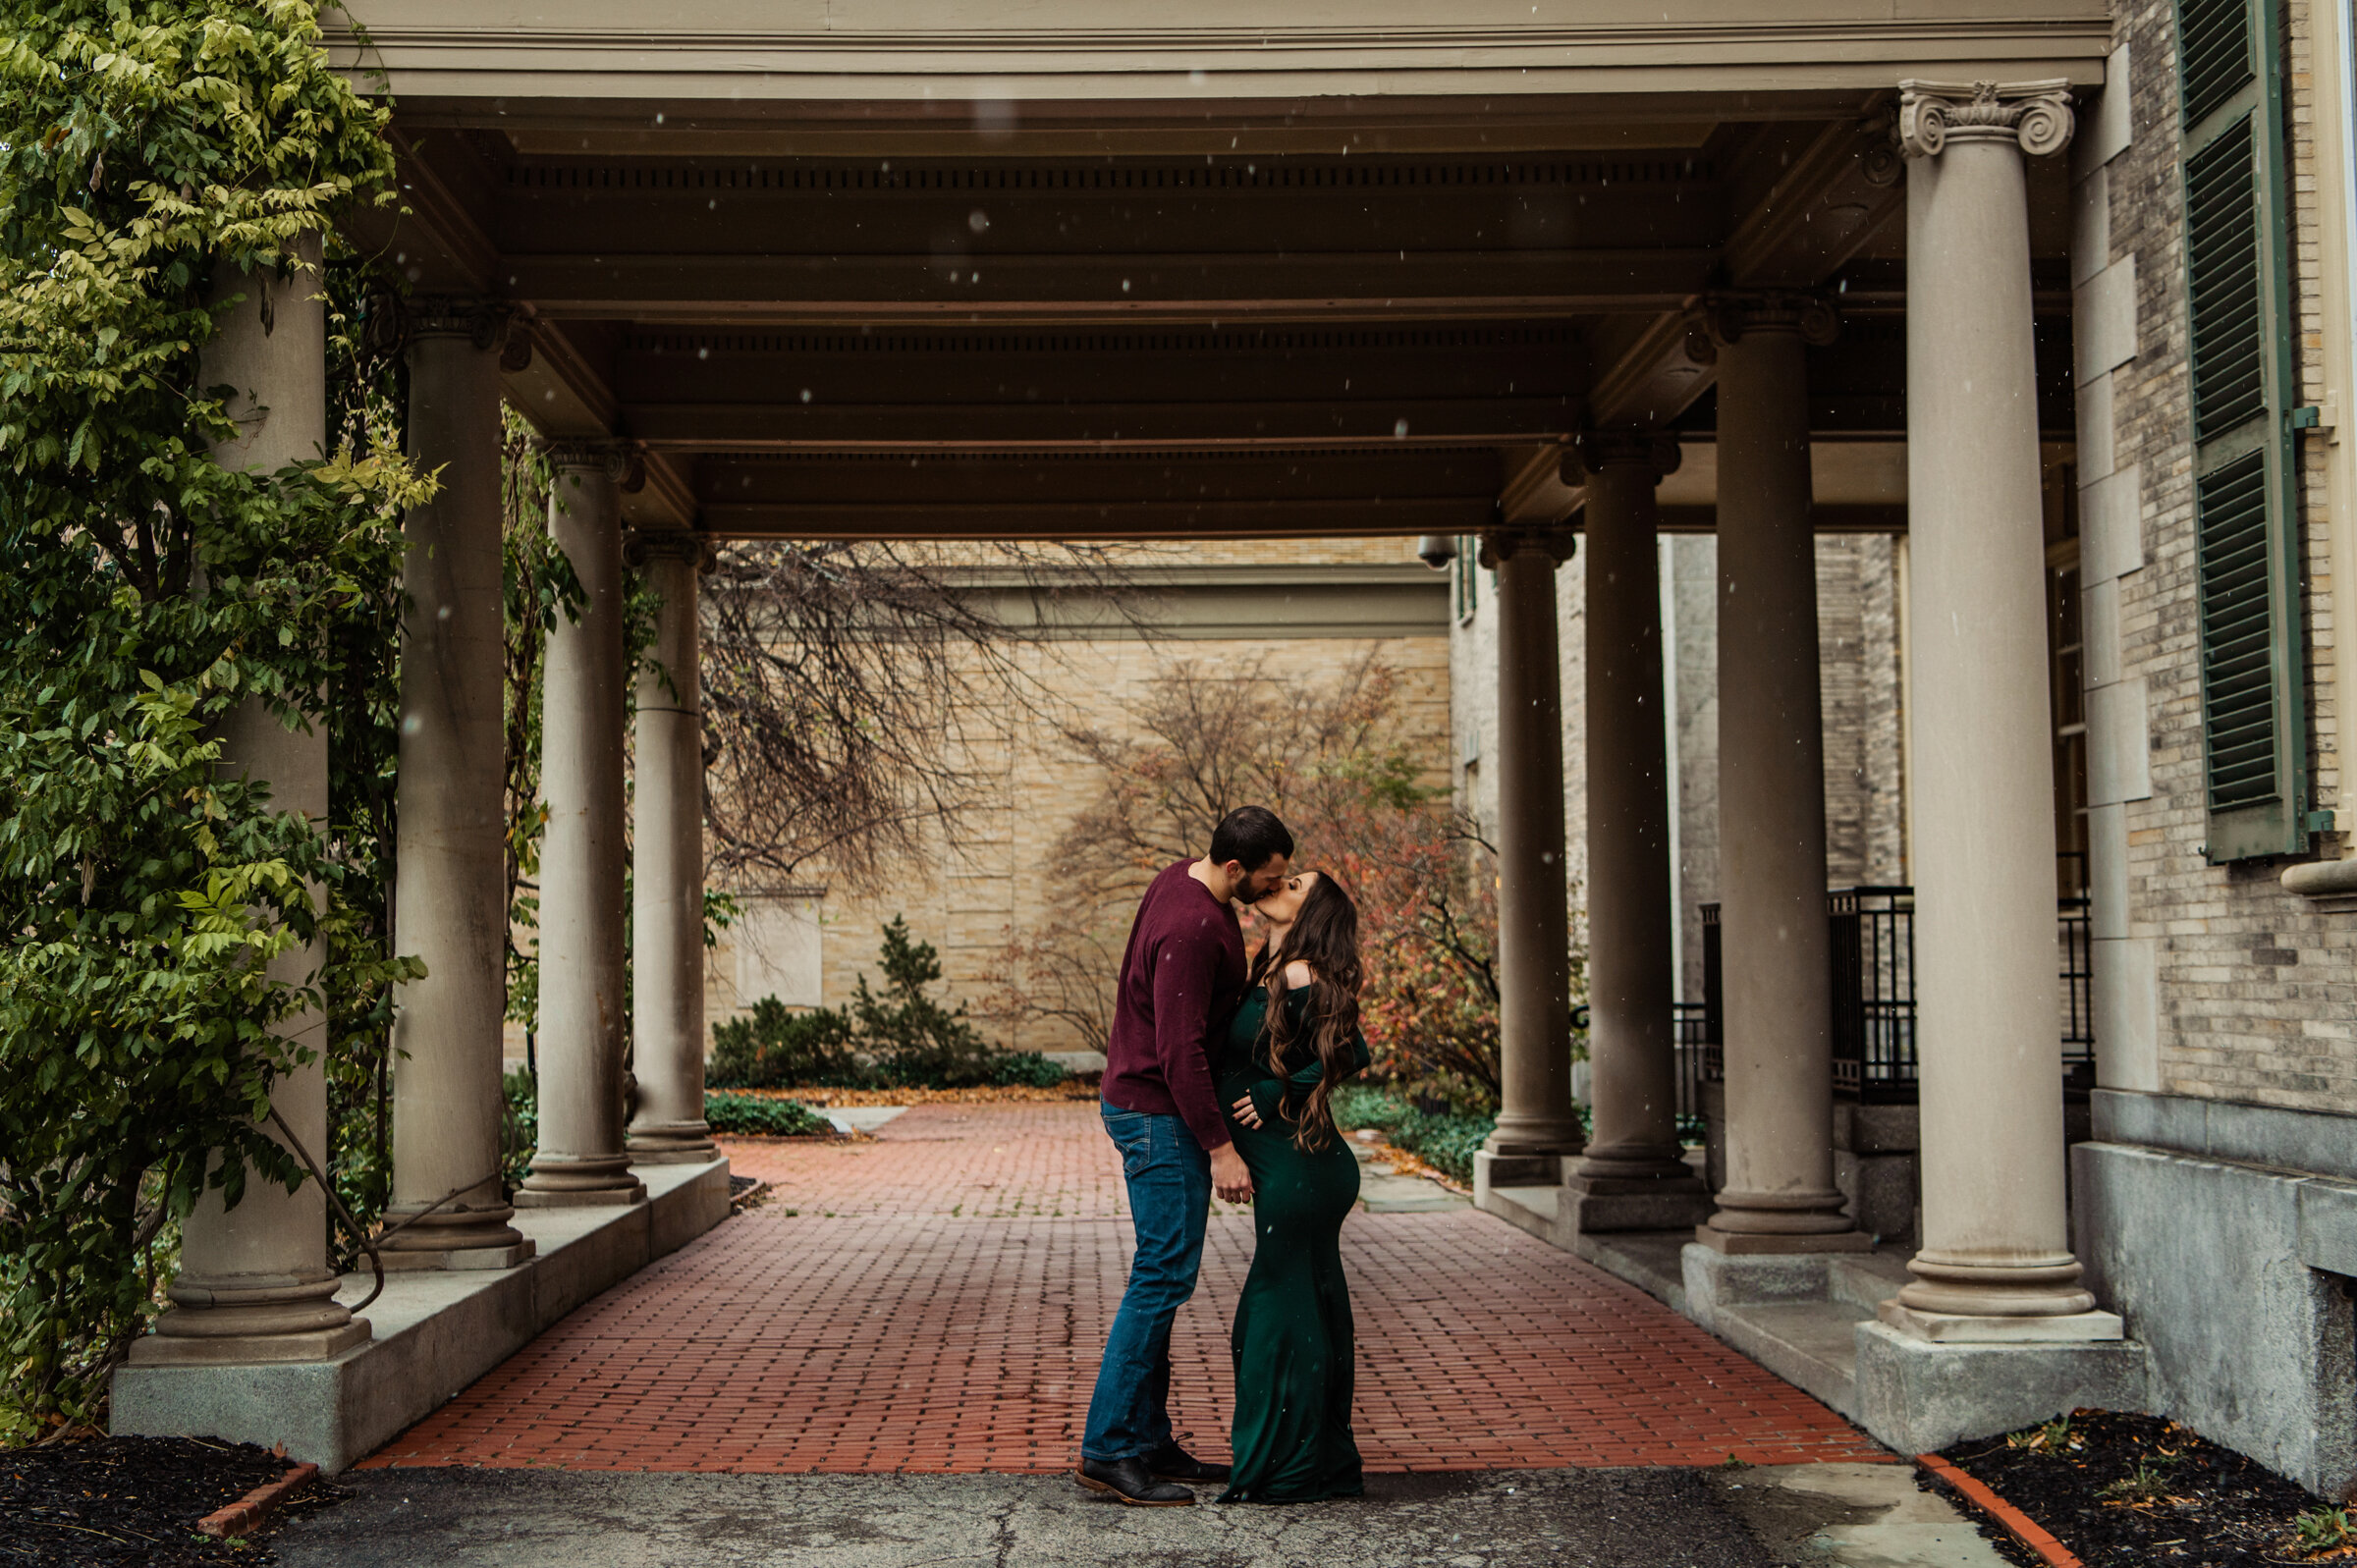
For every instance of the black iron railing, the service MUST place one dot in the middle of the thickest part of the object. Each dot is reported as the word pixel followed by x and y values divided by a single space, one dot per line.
pixel 1874 992
pixel 1872 979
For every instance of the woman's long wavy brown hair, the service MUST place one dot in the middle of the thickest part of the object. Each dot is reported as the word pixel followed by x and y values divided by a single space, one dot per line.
pixel 1325 936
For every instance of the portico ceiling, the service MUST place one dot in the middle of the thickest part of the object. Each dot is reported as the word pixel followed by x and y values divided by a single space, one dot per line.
pixel 1133 315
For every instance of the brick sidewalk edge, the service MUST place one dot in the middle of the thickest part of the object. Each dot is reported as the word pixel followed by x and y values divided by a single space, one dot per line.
pixel 2020 1526
pixel 245 1515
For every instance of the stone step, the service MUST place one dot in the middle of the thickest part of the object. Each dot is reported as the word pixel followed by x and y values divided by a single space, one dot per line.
pixel 1811 1345
pixel 1653 1261
pixel 1866 1280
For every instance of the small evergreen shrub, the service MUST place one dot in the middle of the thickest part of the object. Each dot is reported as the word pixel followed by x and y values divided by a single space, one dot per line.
pixel 763 1119
pixel 774 1049
pixel 896 1036
pixel 1028 1068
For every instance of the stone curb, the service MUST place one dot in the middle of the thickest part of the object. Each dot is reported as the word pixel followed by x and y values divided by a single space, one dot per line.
pixel 245 1515
pixel 2020 1526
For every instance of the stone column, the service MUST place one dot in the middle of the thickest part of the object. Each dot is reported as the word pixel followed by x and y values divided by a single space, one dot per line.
pixel 1536 1124
pixel 1994 1243
pixel 1635 1177
pixel 581 1159
pixel 667 886
pixel 254 1281
pixel 451 903
pixel 1776 945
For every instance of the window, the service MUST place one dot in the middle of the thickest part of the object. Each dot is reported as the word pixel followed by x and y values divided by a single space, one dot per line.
pixel 2254 726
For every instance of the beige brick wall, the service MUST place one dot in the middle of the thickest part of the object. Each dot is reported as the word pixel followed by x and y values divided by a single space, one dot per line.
pixel 988 875
pixel 2253 999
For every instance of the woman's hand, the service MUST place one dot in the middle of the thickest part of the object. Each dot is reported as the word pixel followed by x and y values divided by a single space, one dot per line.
pixel 1246 1112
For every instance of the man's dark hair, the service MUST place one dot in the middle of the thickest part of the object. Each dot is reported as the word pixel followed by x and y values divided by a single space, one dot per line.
pixel 1251 834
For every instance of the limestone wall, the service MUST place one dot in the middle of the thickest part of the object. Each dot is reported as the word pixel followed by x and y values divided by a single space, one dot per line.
pixel 991 872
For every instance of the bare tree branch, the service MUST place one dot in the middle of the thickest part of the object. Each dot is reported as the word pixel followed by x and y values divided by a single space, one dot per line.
pixel 858 692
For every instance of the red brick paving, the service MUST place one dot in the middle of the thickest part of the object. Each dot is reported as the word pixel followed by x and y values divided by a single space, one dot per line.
pixel 936 1300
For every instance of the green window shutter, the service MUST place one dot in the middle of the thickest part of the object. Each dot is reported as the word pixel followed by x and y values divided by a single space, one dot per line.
pixel 2238 293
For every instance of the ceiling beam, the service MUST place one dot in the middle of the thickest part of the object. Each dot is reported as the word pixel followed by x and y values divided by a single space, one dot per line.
pixel 1819 213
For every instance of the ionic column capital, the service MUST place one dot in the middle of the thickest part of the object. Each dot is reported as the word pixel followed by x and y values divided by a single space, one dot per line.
pixel 2036 115
pixel 622 461
pixel 495 326
pixel 1728 316
pixel 1500 545
pixel 672 544
pixel 1592 451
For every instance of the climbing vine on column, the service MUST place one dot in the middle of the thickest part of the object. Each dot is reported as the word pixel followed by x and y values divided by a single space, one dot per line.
pixel 149 151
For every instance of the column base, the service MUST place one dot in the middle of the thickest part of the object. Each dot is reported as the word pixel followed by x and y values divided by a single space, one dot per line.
pixel 1920 1395
pixel 229 1350
pixel 683 1155
pixel 579 1182
pixel 582 1197
pixel 452 1231
pixel 1519 1170
pixel 679 1144
pixel 1536 1137
pixel 1748 1243
pixel 1950 1328
pixel 397 1260
pixel 1601 1203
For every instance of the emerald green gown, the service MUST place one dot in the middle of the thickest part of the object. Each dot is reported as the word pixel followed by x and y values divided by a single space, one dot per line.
pixel 1293 1337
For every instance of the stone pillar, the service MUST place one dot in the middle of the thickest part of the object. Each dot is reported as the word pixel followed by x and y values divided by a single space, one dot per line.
pixel 1635 1177
pixel 581 1159
pixel 451 903
pixel 1776 945
pixel 1536 1124
pixel 1995 1244
pixel 254 1281
pixel 667 888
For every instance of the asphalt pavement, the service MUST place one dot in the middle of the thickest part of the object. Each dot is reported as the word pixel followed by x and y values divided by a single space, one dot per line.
pixel 1854 1515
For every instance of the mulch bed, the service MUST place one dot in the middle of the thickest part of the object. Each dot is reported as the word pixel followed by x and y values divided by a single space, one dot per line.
pixel 133 1502
pixel 2119 1490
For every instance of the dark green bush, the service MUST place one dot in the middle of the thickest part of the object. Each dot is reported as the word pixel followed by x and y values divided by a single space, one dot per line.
pixel 894 1038
pixel 774 1049
pixel 1443 1139
pixel 766 1119
pixel 912 1041
pixel 1027 1067
pixel 521 1135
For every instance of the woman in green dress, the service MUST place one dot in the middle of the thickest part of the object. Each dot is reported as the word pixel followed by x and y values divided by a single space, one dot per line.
pixel 1295 1037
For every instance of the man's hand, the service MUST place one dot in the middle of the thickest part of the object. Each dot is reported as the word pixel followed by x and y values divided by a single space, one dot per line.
pixel 1230 1177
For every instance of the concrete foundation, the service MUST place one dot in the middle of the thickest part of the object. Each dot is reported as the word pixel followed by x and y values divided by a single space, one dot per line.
pixel 436 1332
pixel 1875 1167
pixel 2235 1265
pixel 1918 1396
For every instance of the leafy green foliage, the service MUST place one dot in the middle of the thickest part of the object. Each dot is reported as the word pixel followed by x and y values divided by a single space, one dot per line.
pixel 2325 1529
pixel 776 1049
pixel 519 1127
pixel 895 1038
pixel 911 1039
pixel 1443 1139
pixel 147 152
pixel 750 1114
pixel 1029 1069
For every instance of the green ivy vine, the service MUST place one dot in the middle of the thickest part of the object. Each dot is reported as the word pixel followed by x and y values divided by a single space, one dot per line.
pixel 149 151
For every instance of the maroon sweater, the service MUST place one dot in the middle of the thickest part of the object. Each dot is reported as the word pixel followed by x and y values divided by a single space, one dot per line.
pixel 1181 977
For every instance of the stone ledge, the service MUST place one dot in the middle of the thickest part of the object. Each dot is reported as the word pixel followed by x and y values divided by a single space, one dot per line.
pixel 1919 1397
pixel 435 1333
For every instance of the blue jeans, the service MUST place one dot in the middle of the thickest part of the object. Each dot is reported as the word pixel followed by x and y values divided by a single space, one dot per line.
pixel 1169 1203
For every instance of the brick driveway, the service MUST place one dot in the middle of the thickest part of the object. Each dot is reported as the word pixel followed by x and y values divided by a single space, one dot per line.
pixel 935 1300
